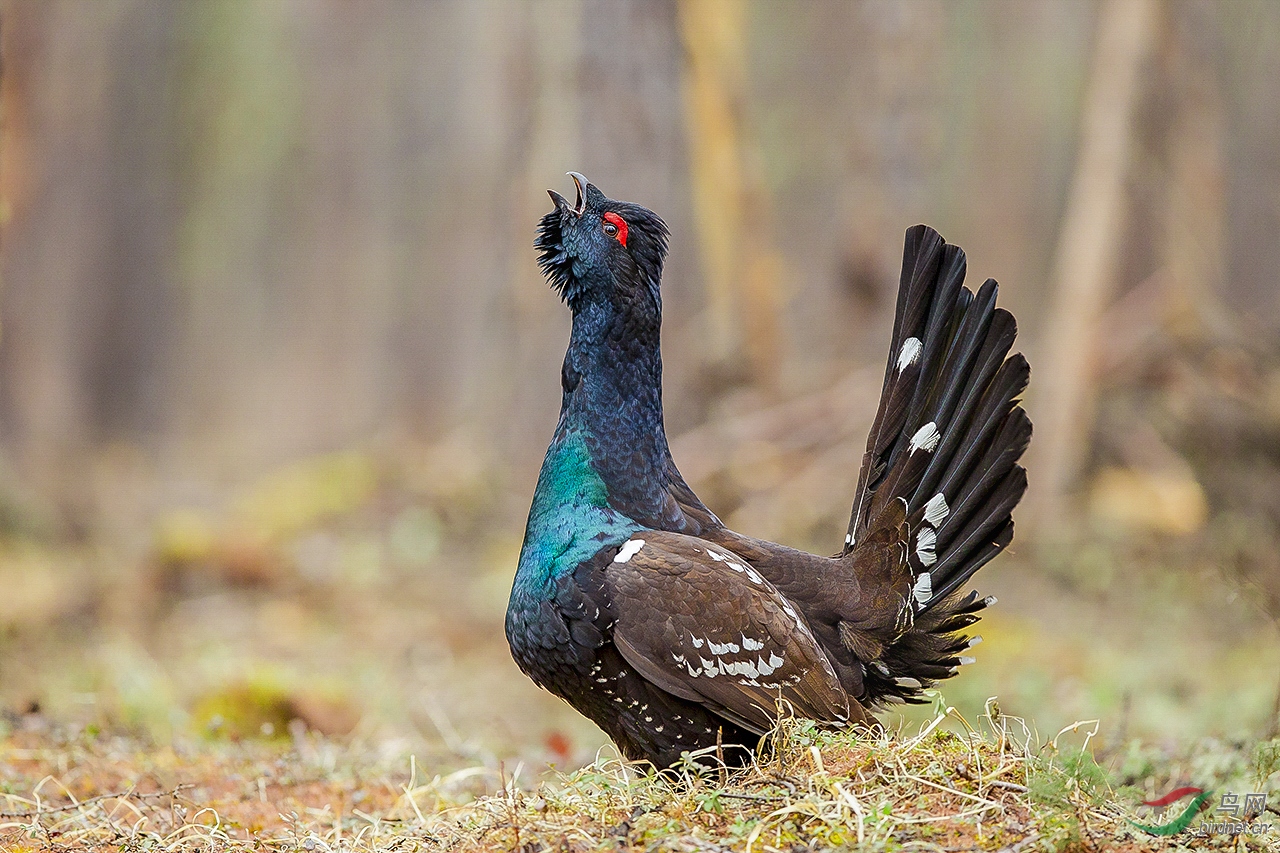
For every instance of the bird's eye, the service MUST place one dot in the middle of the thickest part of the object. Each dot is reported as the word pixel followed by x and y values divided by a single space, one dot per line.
pixel 616 227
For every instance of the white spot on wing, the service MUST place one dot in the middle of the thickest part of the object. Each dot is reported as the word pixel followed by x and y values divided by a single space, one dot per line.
pixel 767 668
pixel 742 668
pixel 909 353
pixel 925 540
pixel 722 648
pixel 751 645
pixel 628 550
pixel 936 510
pixel 697 642
pixel 926 438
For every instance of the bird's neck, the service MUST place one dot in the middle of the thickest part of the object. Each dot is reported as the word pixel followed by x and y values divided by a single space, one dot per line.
pixel 612 381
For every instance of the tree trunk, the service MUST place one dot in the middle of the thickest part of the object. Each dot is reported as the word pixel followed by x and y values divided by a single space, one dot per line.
pixel 1085 259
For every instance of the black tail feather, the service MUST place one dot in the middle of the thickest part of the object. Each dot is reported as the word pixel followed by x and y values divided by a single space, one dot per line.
pixel 990 358
pixel 947 438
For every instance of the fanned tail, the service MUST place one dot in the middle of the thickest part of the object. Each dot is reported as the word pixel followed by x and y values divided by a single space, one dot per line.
pixel 946 439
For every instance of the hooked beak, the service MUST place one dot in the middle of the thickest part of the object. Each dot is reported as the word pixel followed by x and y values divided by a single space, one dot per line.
pixel 562 203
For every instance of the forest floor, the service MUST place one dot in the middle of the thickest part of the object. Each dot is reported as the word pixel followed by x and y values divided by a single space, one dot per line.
pixel 319 664
pixel 951 786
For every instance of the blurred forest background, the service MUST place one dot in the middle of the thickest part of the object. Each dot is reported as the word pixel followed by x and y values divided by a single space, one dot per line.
pixel 277 367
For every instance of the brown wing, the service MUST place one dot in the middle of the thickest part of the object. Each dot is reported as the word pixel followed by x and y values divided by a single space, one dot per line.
pixel 698 621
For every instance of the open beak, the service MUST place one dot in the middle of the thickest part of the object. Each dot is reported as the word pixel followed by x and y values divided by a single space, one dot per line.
pixel 562 204
pixel 581 183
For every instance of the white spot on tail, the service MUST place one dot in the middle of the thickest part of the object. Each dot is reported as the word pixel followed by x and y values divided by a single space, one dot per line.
pixel 926 438
pixel 908 682
pixel 880 667
pixel 936 510
pixel 965 661
pixel 909 353
pixel 628 550
pixel 974 640
pixel 990 601
pixel 924 588
pixel 848 539
pixel 925 541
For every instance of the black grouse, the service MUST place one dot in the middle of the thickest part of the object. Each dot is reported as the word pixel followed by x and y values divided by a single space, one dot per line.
pixel 635 604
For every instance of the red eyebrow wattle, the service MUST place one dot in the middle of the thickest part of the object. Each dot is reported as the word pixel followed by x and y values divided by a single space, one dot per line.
pixel 619 223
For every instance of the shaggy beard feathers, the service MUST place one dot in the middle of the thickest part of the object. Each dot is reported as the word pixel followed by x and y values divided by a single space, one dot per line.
pixel 553 258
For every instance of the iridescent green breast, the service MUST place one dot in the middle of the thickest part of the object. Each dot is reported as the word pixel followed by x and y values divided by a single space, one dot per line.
pixel 570 519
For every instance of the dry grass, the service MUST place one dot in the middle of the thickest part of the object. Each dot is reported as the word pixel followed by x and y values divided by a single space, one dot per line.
pixel 953 786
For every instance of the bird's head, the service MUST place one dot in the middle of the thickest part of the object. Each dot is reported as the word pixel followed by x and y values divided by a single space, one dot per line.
pixel 601 249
